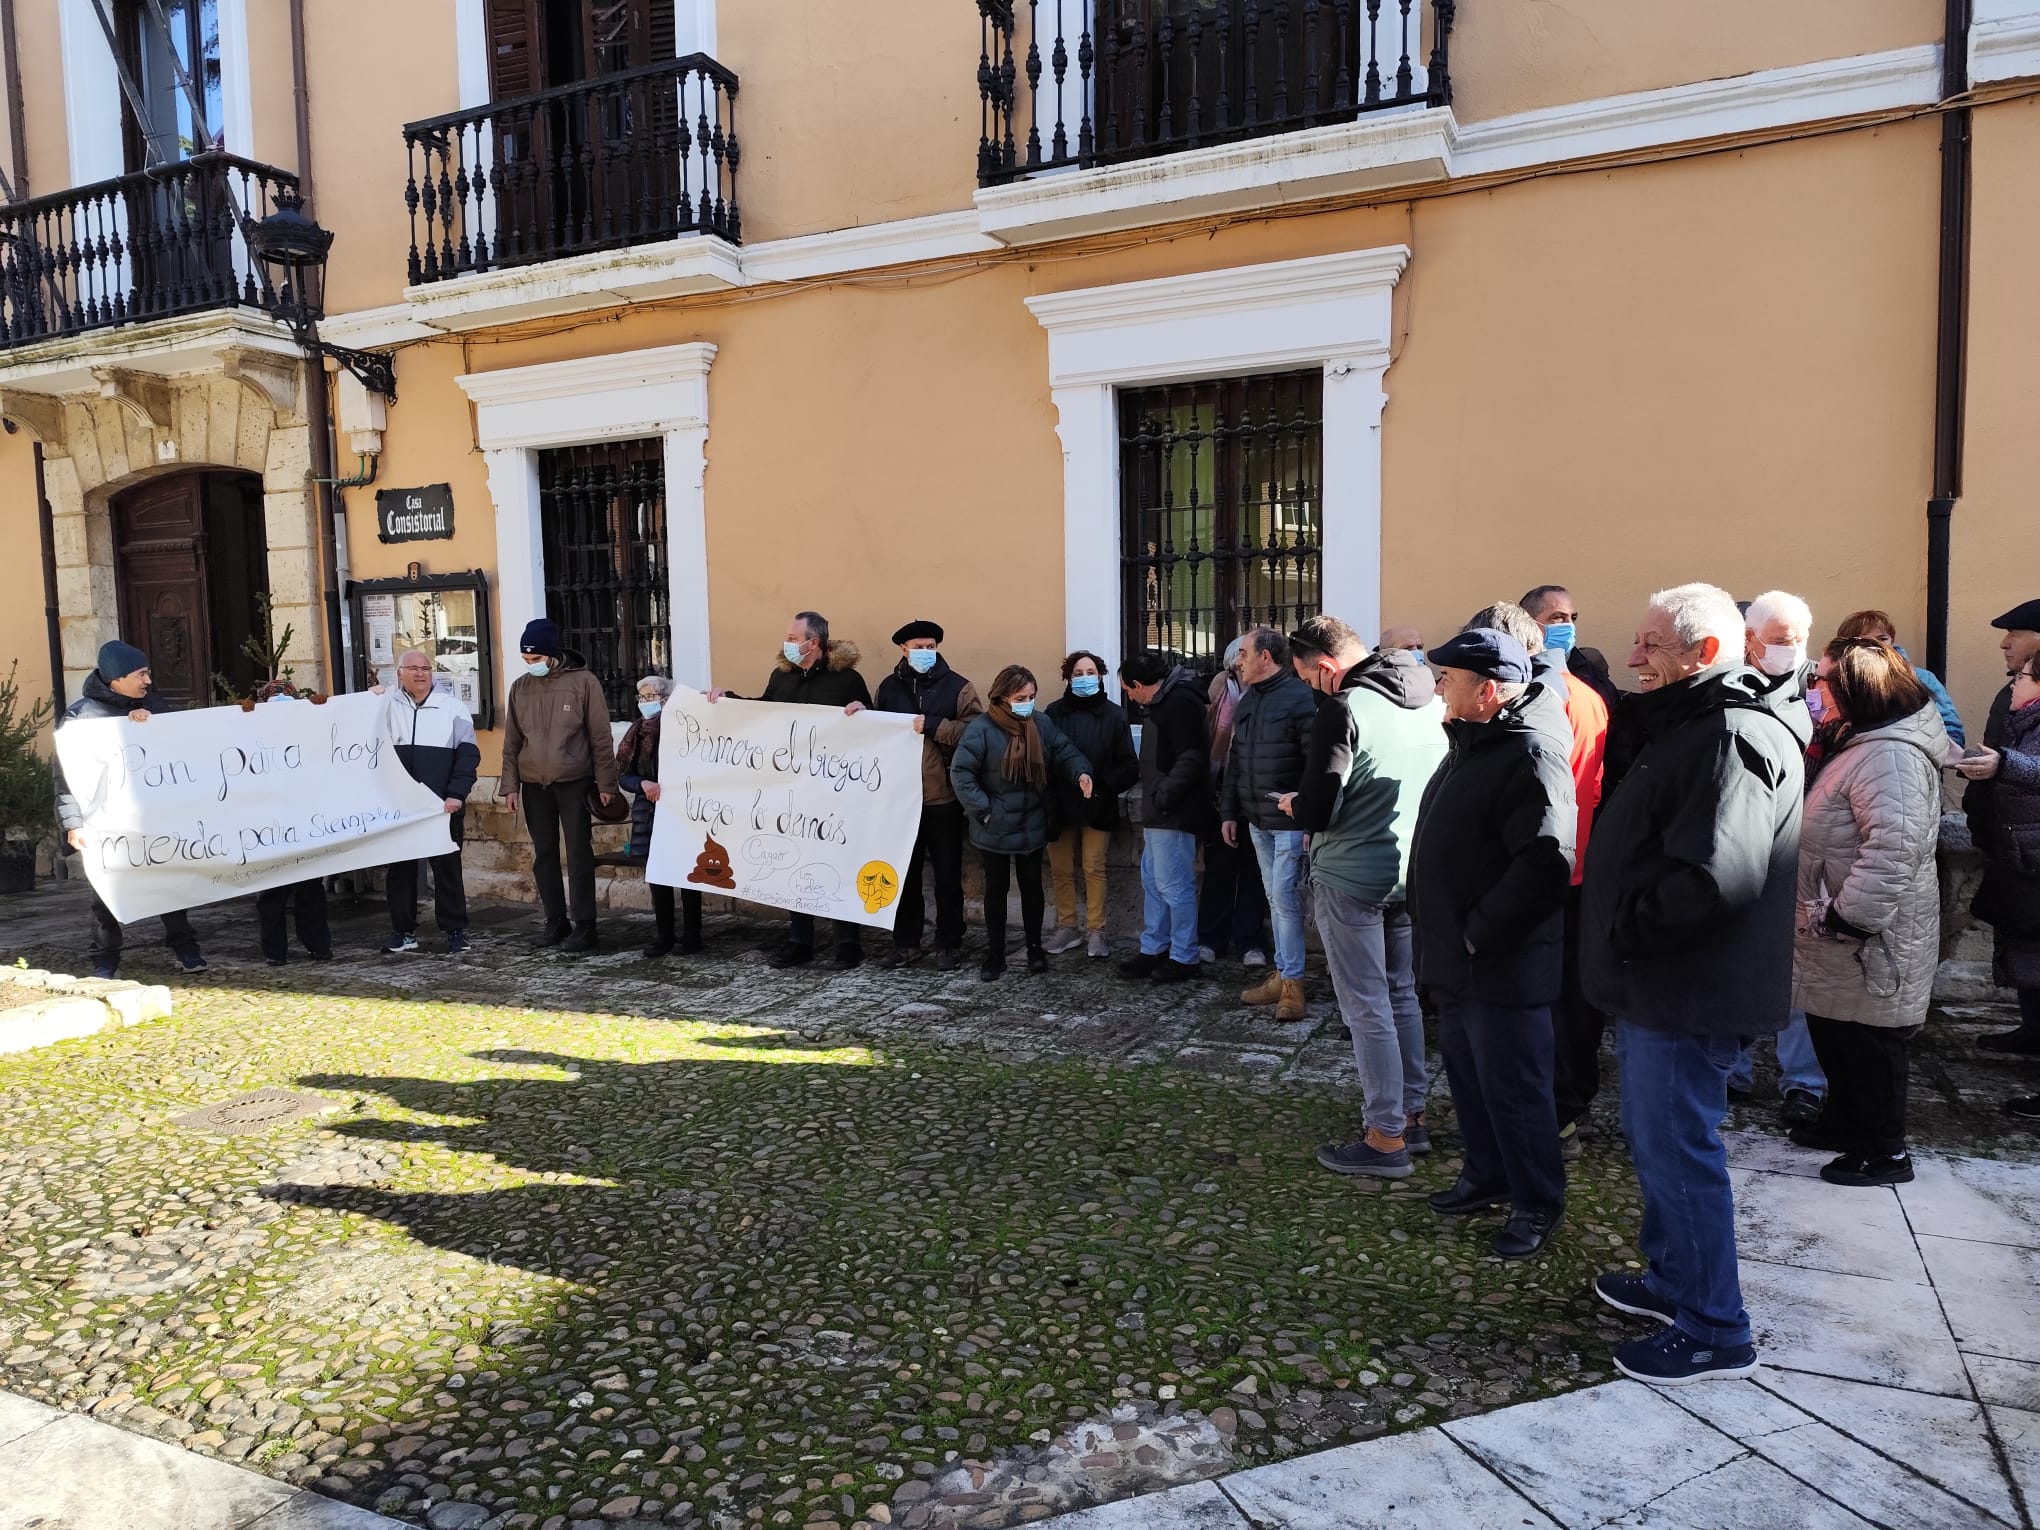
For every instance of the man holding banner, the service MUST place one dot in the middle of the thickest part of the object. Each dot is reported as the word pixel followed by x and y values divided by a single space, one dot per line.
pixel 120 686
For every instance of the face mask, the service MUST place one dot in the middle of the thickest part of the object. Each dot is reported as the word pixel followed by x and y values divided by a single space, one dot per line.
pixel 1417 654
pixel 649 708
pixel 1813 702
pixel 537 670
pixel 792 652
pixel 1085 685
pixel 922 659
pixel 1558 637
pixel 1022 708
pixel 1781 659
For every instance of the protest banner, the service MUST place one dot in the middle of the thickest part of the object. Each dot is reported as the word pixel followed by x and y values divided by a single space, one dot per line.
pixel 798 807
pixel 192 807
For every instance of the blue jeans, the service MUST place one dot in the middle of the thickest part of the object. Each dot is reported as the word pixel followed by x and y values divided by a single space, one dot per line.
pixel 1674 1094
pixel 1280 853
pixel 1168 884
pixel 1798 1066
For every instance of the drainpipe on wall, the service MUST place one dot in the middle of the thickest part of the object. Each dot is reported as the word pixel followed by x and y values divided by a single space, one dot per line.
pixel 301 102
pixel 17 124
pixel 47 526
pixel 1951 339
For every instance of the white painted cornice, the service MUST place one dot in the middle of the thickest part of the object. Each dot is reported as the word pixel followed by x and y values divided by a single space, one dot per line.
pixel 591 398
pixel 2004 41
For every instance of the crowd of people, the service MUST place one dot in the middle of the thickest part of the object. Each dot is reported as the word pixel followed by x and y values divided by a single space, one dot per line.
pixel 1487 828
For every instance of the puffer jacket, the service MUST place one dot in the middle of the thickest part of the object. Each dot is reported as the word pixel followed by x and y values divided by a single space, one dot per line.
pixel 832 683
pixel 1098 730
pixel 98 700
pixel 1271 735
pixel 558 729
pixel 435 740
pixel 1175 744
pixel 1866 840
pixel 1009 817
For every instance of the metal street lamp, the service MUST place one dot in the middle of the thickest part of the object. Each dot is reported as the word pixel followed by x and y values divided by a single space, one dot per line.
pixel 293 249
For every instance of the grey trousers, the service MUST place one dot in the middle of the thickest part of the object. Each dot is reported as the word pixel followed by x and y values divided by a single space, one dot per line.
pixel 1370 952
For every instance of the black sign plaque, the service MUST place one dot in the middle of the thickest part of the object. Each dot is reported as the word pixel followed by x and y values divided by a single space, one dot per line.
pixel 415 515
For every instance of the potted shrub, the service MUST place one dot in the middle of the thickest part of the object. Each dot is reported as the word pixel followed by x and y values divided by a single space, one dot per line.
pixel 28 788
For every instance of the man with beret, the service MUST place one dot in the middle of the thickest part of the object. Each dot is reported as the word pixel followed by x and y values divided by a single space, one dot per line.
pixel 2021 640
pixel 1489 870
pixel 120 686
pixel 942 703
pixel 557 749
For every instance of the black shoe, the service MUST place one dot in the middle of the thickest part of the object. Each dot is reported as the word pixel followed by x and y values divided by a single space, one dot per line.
pixel 948 959
pixel 1630 1293
pixel 1416 1137
pixel 1818 1137
pixel 1037 960
pixel 991 972
pixel 1739 1093
pixel 1173 971
pixel 848 957
pixel 689 942
pixel 192 960
pixel 2024 1042
pixel 2023 1107
pixel 900 956
pixel 555 931
pixel 1865 1169
pixel 457 942
pixel 275 961
pixel 1462 1200
pixel 663 946
pixel 1137 967
pixel 1525 1233
pixel 323 956
pixel 1361 1157
pixel 1801 1108
pixel 583 939
pixel 791 955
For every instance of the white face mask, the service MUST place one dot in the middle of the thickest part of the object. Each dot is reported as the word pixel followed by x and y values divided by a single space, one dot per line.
pixel 1781 658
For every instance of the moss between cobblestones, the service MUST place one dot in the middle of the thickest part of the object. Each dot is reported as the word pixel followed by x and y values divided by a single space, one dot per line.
pixel 557 1262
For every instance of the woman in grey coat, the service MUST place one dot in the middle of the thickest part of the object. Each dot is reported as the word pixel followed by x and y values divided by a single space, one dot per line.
pixel 1869 933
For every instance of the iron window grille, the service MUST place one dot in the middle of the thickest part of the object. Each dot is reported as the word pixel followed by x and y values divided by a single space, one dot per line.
pixel 602 525
pixel 1221 511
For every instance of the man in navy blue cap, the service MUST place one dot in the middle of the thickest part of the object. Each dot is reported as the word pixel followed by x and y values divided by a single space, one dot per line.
pixel 1489 870
pixel 2015 961
pixel 120 686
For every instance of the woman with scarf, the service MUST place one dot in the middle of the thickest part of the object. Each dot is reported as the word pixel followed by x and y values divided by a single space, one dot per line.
pixel 1093 722
pixel 637 772
pixel 1001 776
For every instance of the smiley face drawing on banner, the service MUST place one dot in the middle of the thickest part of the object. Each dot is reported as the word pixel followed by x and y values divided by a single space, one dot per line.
pixel 877 884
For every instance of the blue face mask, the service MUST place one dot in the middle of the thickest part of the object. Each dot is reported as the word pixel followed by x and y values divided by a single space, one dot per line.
pixel 1085 685
pixel 792 652
pixel 537 670
pixel 649 708
pixel 1022 708
pixel 1417 654
pixel 1559 637
pixel 922 659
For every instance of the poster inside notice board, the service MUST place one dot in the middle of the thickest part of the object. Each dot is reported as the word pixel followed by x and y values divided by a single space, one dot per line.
pixel 445 616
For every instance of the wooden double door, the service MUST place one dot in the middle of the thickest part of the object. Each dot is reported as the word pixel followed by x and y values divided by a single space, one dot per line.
pixel 191 563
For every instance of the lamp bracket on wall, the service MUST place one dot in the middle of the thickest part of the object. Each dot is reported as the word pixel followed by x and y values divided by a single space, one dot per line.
pixel 374 370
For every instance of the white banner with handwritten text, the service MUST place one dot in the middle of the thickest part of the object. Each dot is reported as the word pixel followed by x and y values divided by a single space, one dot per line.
pixel 799 807
pixel 192 807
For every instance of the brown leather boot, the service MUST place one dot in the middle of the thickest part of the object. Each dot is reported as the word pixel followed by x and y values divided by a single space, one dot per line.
pixel 1290 1004
pixel 1267 991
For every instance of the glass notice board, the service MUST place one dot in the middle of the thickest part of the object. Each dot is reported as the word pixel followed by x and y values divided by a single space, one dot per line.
pixel 446 616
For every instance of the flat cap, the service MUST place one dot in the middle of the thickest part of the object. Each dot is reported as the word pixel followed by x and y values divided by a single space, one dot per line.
pixel 1485 652
pixel 2024 617
pixel 920 629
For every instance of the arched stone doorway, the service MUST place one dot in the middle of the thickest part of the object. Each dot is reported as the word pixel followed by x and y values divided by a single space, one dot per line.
pixel 191 568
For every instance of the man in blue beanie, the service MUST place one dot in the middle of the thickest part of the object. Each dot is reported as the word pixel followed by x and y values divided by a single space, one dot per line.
pixel 120 686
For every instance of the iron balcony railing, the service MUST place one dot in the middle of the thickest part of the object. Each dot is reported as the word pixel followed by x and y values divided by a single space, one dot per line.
pixel 628 158
pixel 150 245
pixel 1099 82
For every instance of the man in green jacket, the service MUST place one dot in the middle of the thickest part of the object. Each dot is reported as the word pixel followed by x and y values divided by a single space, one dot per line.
pixel 1378 737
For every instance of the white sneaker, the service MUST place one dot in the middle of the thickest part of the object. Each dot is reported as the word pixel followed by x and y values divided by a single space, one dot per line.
pixel 1062 938
pixel 1255 957
pixel 1206 954
pixel 1098 945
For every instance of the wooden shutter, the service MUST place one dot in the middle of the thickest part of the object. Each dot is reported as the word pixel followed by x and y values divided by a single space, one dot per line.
pixel 513 48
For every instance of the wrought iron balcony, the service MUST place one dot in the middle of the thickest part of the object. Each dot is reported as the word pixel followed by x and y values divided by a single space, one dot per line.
pixel 629 158
pixel 1100 82
pixel 150 245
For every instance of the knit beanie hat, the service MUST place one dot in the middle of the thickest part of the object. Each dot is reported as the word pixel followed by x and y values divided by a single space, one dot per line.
pixel 541 635
pixel 117 658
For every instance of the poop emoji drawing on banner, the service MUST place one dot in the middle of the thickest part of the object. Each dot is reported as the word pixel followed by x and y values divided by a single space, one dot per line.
pixel 877 884
pixel 712 866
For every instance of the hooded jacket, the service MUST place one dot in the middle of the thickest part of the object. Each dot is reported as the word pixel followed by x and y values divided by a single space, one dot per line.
pixel 557 729
pixel 832 683
pixel 1687 908
pixel 1374 746
pixel 1586 716
pixel 1871 826
pixel 945 702
pixel 1492 858
pixel 435 740
pixel 1175 754
pixel 1008 816
pixel 1099 730
pixel 98 699
pixel 1271 730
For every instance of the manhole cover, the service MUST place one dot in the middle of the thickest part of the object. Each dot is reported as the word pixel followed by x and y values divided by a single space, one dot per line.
pixel 253 1112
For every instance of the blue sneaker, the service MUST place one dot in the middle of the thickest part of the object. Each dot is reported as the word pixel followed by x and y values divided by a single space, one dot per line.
pixel 191 961
pixel 1673 1358
pixel 106 970
pixel 457 942
pixel 1361 1157
pixel 1631 1294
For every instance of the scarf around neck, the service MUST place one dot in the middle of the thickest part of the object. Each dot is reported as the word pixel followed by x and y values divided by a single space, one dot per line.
pixel 1024 760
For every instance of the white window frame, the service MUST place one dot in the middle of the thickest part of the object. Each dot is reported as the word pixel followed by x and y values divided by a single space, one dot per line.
pixel 661 391
pixel 1333 311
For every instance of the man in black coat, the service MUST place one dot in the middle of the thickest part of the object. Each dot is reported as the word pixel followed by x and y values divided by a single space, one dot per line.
pixel 1689 899
pixel 2021 640
pixel 120 686
pixel 1175 789
pixel 1489 869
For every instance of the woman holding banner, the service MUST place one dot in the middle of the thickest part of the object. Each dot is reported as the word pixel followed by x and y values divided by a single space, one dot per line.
pixel 637 772
pixel 1001 776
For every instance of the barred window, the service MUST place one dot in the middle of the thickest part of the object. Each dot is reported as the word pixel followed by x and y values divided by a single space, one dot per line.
pixel 1221 520
pixel 602 525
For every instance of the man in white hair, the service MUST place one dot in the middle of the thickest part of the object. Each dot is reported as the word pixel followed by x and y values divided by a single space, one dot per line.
pixel 1775 632
pixel 1687 941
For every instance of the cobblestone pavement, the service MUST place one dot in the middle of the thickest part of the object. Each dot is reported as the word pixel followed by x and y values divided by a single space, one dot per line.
pixel 694 1242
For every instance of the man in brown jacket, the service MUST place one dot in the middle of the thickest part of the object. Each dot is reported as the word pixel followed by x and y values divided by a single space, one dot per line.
pixel 556 749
